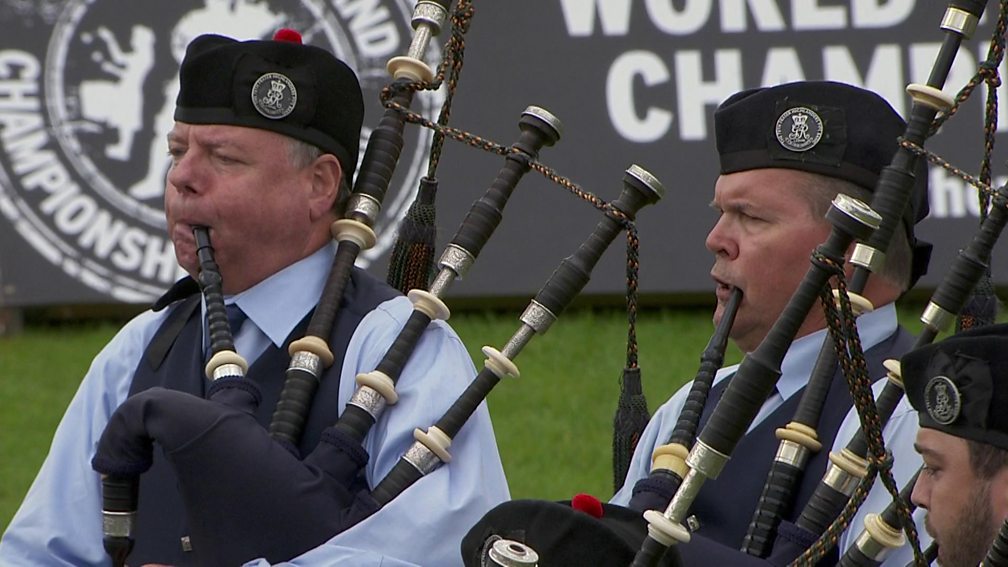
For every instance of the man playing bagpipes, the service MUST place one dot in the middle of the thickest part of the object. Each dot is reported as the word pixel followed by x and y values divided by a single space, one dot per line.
pixel 958 388
pixel 785 153
pixel 263 149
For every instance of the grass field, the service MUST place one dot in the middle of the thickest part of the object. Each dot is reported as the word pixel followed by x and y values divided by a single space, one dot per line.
pixel 553 424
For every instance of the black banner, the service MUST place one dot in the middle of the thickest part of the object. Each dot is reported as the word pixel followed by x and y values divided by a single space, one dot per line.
pixel 87 90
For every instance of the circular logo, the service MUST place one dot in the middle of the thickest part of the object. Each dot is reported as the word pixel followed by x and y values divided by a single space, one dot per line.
pixel 942 399
pixel 274 95
pixel 799 129
pixel 91 87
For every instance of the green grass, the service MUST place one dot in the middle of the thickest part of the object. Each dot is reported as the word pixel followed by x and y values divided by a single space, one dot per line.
pixel 553 424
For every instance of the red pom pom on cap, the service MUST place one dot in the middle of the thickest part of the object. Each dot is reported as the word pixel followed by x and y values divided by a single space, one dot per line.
pixel 587 504
pixel 287 34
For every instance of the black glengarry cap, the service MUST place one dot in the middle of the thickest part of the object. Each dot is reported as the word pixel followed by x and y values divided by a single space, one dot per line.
pixel 281 85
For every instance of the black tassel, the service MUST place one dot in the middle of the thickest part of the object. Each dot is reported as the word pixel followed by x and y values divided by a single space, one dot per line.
pixel 412 261
pixel 628 424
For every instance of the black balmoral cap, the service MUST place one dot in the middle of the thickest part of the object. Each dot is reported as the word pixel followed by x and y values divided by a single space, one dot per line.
pixel 298 90
pixel 822 127
pixel 958 385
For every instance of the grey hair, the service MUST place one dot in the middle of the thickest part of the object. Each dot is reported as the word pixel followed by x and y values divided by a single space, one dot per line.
pixel 303 154
pixel 822 189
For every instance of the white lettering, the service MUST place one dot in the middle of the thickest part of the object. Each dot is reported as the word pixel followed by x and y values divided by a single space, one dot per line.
pixel 868 14
pixel 159 260
pixel 130 253
pixel 579 16
pixel 17 124
pixel 373 31
pixel 654 122
pixel 694 94
pixel 75 214
pixel 949 196
pixel 766 15
pixel 20 92
pixel 102 234
pixel 809 15
pixel 693 15
pixel 884 76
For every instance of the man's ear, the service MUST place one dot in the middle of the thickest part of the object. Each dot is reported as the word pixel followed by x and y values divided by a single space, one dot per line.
pixel 325 174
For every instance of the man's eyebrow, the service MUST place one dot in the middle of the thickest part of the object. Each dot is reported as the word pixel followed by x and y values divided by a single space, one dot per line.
pixel 925 450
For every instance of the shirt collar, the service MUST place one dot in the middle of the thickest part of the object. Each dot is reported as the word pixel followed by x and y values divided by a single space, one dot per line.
pixel 277 304
pixel 873 327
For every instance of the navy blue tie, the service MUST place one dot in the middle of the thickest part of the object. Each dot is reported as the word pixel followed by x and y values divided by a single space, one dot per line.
pixel 236 317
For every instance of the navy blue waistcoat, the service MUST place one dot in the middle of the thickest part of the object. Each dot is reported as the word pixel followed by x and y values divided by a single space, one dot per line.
pixel 174 359
pixel 725 505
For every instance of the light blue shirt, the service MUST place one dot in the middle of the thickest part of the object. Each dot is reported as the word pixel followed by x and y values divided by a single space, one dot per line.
pixel 899 433
pixel 59 522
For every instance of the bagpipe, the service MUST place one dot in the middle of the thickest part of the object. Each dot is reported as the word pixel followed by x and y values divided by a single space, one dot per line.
pixel 681 467
pixel 250 490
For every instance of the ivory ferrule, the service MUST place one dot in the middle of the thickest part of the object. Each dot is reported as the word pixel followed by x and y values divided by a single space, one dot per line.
pixel 867 257
pixel 791 453
pixel 665 531
pixel 845 472
pixel 878 538
pixel 894 373
pixel 959 21
pixel 369 400
pixel 118 524
pixel 500 365
pixel 429 304
pixel 363 207
pixel 456 259
pixel 537 316
pixel 937 317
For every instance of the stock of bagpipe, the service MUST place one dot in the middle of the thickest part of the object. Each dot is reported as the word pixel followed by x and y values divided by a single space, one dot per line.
pixel 431 447
pixel 377 389
pixel 757 374
pixel 668 462
pixel 799 438
pixel 877 539
pixel 310 354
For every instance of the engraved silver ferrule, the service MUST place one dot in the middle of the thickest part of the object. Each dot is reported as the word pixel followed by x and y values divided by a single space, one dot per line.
pixel 537 316
pixel 959 21
pixel 867 257
pixel 857 210
pixel 684 497
pixel 228 370
pixel 363 207
pixel 937 317
pixel 706 460
pixel 791 453
pixel 306 361
pixel 117 524
pixel 428 17
pixel 647 178
pixel 517 342
pixel 840 480
pixel 421 458
pixel 369 400
pixel 457 259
